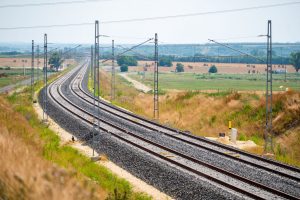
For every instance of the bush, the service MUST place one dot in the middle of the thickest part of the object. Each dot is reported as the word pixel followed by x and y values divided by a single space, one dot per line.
pixel 165 62
pixel 127 60
pixel 124 68
pixel 179 67
pixel 7 68
pixel 213 69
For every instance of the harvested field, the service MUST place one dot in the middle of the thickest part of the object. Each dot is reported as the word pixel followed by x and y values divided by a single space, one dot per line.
pixel 19 62
pixel 201 67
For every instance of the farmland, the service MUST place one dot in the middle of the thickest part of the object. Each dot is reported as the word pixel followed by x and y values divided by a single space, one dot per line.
pixel 215 82
pixel 8 77
pixel 12 69
pixel 13 75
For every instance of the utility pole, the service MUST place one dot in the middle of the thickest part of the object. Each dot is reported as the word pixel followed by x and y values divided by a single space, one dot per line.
pixel 218 55
pixel 23 68
pixel 268 132
pixel 45 116
pixel 92 60
pixel 194 48
pixel 282 65
pixel 32 69
pixel 38 62
pixel 113 75
pixel 96 80
pixel 155 90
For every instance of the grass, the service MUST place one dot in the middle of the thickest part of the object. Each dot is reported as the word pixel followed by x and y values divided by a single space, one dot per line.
pixel 66 156
pixel 221 82
pixel 12 76
pixel 25 173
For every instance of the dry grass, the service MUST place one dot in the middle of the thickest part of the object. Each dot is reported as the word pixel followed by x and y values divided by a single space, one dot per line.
pixel 25 174
pixel 93 181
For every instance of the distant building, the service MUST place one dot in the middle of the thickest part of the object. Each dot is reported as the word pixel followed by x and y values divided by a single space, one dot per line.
pixel 279 71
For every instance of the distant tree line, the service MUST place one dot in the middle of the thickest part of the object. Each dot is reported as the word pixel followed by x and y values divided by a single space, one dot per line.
pixel 230 59
pixel 10 53
pixel 166 61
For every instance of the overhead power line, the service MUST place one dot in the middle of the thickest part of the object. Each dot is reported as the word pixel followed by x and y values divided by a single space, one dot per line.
pixel 129 49
pixel 203 13
pixel 233 49
pixel 48 3
pixel 156 18
pixel 46 26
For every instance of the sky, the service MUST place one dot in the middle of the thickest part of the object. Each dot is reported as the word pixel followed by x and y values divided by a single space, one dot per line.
pixel 242 26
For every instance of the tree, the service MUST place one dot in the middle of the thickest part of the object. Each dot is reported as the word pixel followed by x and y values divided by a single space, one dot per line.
pixel 295 60
pixel 55 60
pixel 179 67
pixel 124 68
pixel 165 61
pixel 213 69
pixel 127 60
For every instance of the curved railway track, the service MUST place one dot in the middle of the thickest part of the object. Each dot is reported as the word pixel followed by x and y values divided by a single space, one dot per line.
pixel 217 175
pixel 224 150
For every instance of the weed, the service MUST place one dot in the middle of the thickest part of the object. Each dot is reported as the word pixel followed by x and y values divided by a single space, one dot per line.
pixel 242 136
pixel 212 120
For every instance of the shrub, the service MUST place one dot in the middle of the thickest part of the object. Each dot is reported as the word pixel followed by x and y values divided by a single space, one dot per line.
pixel 165 62
pixel 213 69
pixel 179 67
pixel 124 68
pixel 127 60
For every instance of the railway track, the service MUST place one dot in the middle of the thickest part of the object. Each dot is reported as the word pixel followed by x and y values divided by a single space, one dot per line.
pixel 221 177
pixel 226 151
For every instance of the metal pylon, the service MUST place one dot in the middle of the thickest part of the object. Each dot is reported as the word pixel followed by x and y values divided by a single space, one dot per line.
pixel 38 63
pixel 155 90
pixel 113 73
pixel 96 124
pixel 92 62
pixel 32 70
pixel 45 116
pixel 268 129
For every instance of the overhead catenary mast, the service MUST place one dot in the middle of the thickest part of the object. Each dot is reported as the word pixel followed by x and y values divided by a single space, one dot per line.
pixel 38 62
pixel 269 94
pixel 155 89
pixel 113 75
pixel 96 81
pixel 45 116
pixel 92 61
pixel 32 69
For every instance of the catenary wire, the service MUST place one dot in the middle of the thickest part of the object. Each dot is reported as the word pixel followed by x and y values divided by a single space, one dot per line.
pixel 156 18
pixel 49 3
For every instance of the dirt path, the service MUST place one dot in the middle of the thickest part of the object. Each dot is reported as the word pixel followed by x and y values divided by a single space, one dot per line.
pixel 138 85
pixel 138 184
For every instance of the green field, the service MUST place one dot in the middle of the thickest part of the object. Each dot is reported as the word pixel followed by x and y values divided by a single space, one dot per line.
pixel 240 82
pixel 12 76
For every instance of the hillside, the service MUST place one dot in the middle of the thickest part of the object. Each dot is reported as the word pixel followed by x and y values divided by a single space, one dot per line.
pixel 25 174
